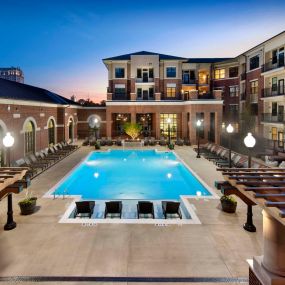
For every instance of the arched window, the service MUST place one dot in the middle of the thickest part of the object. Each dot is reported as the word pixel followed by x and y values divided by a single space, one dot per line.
pixel 70 129
pixel 30 137
pixel 51 132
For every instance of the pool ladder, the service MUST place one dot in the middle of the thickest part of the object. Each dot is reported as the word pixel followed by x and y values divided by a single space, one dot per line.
pixel 63 194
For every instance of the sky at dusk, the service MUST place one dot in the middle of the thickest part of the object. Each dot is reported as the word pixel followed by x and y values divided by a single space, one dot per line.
pixel 60 44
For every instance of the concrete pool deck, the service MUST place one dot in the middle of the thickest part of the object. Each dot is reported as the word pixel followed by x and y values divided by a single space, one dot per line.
pixel 40 246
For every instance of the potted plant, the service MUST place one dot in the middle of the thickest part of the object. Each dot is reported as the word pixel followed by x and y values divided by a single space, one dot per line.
pixel 97 145
pixel 229 204
pixel 171 146
pixel 28 204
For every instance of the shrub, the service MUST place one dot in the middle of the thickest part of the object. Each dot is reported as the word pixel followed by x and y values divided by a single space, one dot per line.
pixel 229 199
pixel 171 146
pixel 97 145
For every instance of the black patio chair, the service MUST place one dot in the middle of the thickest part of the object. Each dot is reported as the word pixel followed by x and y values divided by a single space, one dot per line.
pixel 146 209
pixel 171 208
pixel 84 208
pixel 113 209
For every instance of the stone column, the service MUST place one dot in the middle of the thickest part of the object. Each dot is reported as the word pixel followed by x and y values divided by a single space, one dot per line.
pixel 206 125
pixel 184 125
pixel 192 126
pixel 133 117
pixel 274 245
pixel 109 124
pixel 157 125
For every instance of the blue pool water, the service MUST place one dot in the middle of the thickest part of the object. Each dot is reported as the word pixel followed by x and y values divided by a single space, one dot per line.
pixel 131 174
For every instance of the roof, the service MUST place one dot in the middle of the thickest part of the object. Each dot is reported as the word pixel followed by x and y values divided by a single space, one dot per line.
pixel 161 56
pixel 19 91
pixel 208 60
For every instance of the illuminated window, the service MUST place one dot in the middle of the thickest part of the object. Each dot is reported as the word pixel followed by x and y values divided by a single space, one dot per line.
pixel 254 87
pixel 51 132
pixel 170 92
pixel 164 125
pixel 220 73
pixel 30 137
pixel 274 133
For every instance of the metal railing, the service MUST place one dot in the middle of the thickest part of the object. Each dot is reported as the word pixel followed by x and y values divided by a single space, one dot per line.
pixel 268 92
pixel 270 66
pixel 268 117
pixel 189 81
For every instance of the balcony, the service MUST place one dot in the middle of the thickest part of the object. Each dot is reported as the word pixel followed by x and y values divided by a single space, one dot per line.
pixel 269 118
pixel 253 98
pixel 144 80
pixel 271 66
pixel 189 81
pixel 268 92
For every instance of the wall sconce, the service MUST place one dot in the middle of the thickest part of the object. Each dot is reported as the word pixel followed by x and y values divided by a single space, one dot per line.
pixel 9 108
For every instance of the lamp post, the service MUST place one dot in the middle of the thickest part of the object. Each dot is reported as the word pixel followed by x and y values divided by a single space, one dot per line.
pixel 8 142
pixel 168 120
pixel 249 142
pixel 93 124
pixel 230 130
pixel 198 125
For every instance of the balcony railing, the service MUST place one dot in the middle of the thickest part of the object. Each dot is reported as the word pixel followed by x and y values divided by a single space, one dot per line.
pixel 144 80
pixel 253 98
pixel 268 117
pixel 270 66
pixel 189 81
pixel 268 92
pixel 206 96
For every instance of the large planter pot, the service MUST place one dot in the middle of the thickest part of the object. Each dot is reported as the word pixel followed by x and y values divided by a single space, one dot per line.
pixel 228 206
pixel 28 206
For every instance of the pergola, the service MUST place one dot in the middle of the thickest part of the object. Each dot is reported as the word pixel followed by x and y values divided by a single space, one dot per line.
pixel 12 180
pixel 264 187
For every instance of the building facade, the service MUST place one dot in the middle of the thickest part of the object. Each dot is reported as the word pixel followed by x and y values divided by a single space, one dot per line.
pixel 12 73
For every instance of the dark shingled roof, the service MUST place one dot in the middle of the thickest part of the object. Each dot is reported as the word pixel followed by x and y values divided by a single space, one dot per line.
pixel 161 56
pixel 19 91
pixel 208 60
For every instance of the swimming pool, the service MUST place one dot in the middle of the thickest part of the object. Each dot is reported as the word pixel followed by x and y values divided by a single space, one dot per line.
pixel 131 174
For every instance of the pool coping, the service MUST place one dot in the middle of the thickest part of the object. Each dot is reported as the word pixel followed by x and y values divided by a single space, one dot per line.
pixel 185 199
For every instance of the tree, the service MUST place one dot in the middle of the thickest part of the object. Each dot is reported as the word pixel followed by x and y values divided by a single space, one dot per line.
pixel 132 129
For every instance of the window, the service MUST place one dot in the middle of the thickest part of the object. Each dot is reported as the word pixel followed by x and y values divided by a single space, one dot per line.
pixel 185 77
pixel 120 91
pixel 233 71
pixel 219 73
pixel 139 73
pixel 119 72
pixel 274 109
pixel 254 62
pixel 172 125
pixel 274 133
pixel 274 56
pixel 254 87
pixel 150 93
pixel 170 72
pixel 170 92
pixel 51 132
pixel 29 137
pixel 274 84
pixel 233 108
pixel 139 93
pixel 150 73
pixel 234 91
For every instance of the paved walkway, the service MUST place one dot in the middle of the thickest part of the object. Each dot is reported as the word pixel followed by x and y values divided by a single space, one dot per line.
pixel 219 247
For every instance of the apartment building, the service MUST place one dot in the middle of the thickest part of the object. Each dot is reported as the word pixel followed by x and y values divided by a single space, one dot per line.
pixel 12 73
pixel 254 81
pixel 151 88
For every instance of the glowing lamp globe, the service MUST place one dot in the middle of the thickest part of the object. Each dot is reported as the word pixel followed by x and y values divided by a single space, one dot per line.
pixel 168 120
pixel 8 140
pixel 249 140
pixel 230 129
pixel 199 123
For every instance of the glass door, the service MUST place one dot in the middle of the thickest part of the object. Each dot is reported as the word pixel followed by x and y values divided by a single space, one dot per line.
pixel 145 75
pixel 280 113
pixel 281 87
